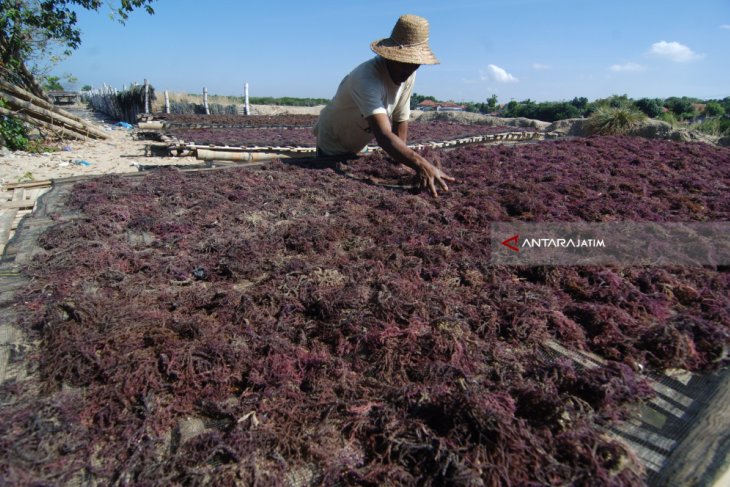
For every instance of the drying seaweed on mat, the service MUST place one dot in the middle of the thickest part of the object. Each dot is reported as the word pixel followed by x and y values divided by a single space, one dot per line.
pixel 296 326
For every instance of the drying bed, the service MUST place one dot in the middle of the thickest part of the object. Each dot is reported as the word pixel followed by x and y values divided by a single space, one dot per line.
pixel 185 120
pixel 418 133
pixel 295 326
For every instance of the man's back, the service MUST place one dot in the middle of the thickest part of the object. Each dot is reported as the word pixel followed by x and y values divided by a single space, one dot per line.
pixel 342 127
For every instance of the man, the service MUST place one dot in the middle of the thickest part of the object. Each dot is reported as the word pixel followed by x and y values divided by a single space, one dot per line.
pixel 374 101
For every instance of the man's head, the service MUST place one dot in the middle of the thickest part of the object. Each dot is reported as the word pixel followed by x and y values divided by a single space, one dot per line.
pixel 399 72
pixel 407 44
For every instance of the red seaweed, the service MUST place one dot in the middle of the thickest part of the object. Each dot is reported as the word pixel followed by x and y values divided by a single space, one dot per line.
pixel 324 329
pixel 302 135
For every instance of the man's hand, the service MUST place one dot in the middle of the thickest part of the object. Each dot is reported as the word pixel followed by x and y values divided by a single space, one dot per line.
pixel 429 176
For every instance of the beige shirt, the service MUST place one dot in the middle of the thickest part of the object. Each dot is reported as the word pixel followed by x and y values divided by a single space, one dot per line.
pixel 367 90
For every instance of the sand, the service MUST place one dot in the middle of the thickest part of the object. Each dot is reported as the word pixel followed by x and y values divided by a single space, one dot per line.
pixel 124 151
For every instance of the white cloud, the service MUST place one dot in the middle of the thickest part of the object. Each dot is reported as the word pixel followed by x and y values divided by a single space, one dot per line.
pixel 674 51
pixel 725 26
pixel 495 73
pixel 627 67
pixel 540 67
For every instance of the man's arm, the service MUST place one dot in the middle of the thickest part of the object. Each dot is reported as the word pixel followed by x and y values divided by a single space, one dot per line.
pixel 395 146
pixel 401 130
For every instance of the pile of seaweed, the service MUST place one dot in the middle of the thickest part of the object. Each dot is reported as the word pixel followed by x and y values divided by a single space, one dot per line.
pixel 301 136
pixel 292 326
pixel 222 120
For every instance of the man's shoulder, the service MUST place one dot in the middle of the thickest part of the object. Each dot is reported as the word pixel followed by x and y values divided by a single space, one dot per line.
pixel 370 69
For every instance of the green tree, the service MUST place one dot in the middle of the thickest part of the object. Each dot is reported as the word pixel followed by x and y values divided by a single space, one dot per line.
pixel 580 103
pixel 714 109
pixel 417 98
pixel 53 83
pixel 492 104
pixel 614 101
pixel 725 102
pixel 29 25
pixel 651 107
pixel 681 107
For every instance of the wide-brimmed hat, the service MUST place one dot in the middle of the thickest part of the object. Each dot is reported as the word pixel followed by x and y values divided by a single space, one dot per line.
pixel 408 43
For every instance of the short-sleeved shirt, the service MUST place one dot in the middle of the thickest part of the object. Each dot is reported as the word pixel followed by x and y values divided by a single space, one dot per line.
pixel 342 127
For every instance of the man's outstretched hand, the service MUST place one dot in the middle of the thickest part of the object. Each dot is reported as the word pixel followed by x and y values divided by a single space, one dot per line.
pixel 429 177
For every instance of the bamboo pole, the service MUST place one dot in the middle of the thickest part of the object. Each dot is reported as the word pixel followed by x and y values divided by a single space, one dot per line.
pixel 154 125
pixel 211 155
pixel 167 102
pixel 64 131
pixel 52 117
pixel 28 96
pixel 146 96
pixel 205 101
pixel 246 110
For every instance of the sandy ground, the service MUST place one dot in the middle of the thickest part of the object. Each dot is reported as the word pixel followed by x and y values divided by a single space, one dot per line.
pixel 122 152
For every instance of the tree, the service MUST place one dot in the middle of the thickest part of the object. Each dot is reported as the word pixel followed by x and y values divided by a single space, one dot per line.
pixel 651 107
pixel 580 103
pixel 29 25
pixel 714 109
pixel 492 103
pixel 614 101
pixel 53 83
pixel 417 98
pixel 681 107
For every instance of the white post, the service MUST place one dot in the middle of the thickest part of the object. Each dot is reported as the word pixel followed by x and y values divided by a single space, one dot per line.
pixel 167 102
pixel 146 96
pixel 245 100
pixel 205 101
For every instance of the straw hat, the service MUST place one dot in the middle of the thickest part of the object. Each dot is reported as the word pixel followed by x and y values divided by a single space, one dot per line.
pixel 408 43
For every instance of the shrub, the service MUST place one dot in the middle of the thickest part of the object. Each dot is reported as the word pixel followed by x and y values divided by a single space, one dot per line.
pixel 614 121
pixel 682 107
pixel 716 126
pixel 651 107
pixel 714 109
pixel 12 132
pixel 670 118
pixel 545 111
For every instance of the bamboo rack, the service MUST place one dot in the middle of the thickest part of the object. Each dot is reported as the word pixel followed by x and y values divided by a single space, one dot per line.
pixel 35 110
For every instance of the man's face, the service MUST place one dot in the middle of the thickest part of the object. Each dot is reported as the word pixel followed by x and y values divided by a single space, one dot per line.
pixel 399 72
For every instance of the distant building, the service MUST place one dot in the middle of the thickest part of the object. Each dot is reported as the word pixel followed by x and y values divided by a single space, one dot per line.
pixel 448 106
pixel 439 106
pixel 427 106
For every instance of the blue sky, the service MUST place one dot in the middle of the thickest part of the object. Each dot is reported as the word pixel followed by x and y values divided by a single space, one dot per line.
pixel 544 50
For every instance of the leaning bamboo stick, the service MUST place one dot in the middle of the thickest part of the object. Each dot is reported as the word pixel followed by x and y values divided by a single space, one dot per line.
pixel 212 155
pixel 52 117
pixel 28 96
pixel 56 129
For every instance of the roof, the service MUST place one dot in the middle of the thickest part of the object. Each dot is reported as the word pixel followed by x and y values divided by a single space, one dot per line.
pixel 442 104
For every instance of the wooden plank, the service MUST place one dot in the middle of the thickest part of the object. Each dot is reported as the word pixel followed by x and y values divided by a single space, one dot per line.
pixel 6 225
pixel 19 217
pixel 18 195
pixel 18 205
pixel 32 194
pixel 32 184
